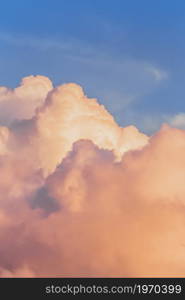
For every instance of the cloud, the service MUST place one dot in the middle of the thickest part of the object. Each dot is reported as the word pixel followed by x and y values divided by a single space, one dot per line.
pixel 67 116
pixel 81 196
pixel 157 73
pixel 65 45
pixel 177 120
pixel 117 78
pixel 150 123
pixel 21 102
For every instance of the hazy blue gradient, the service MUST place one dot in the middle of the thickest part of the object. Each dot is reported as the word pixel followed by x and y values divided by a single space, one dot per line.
pixel 129 54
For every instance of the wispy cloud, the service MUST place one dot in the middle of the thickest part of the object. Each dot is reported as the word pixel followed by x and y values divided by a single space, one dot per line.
pixel 45 43
pixel 157 73
pixel 118 80
pixel 177 120
pixel 151 122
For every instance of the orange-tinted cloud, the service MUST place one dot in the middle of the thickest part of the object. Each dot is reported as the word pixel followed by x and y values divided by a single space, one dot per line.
pixel 21 102
pixel 81 196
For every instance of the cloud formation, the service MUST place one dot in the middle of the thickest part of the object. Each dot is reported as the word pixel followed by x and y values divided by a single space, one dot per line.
pixel 81 196
pixel 177 120
pixel 21 102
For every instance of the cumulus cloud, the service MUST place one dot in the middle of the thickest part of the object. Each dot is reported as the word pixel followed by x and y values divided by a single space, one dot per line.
pixel 81 196
pixel 21 102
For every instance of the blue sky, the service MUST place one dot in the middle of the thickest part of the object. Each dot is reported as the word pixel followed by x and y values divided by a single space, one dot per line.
pixel 130 54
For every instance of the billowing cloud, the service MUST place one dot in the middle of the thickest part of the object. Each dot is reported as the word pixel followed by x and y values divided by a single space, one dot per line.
pixel 21 102
pixel 81 196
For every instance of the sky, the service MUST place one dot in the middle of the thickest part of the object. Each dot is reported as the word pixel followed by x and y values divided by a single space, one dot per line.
pixel 91 96
pixel 127 54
